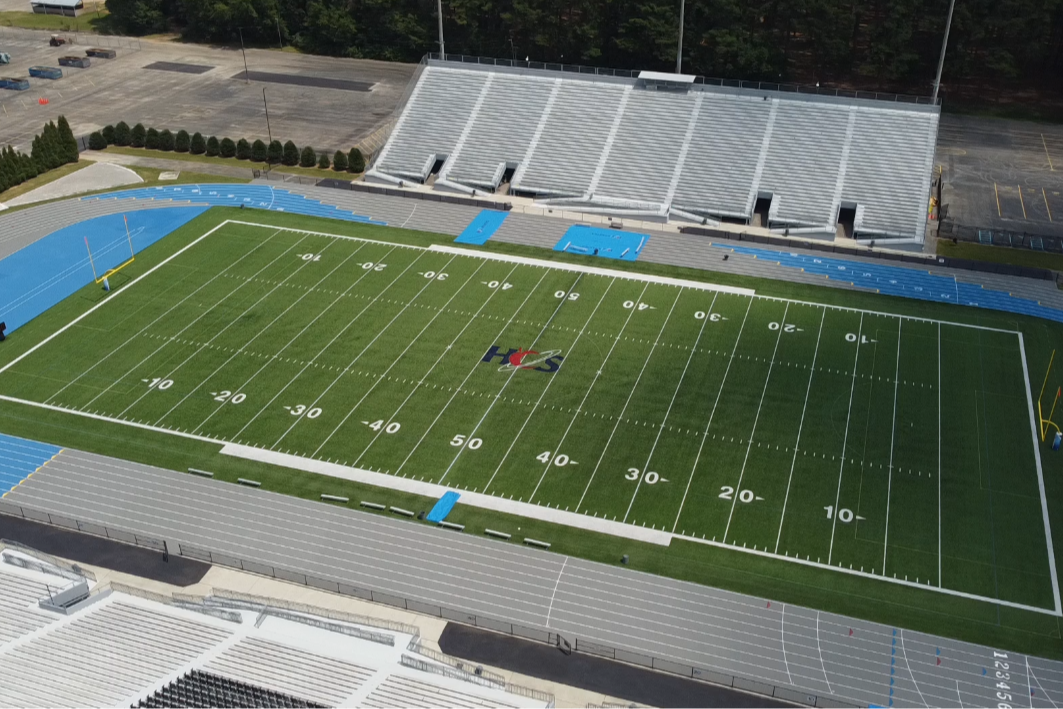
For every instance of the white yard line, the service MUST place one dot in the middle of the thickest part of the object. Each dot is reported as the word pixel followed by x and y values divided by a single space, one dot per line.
pixel 797 443
pixel 103 302
pixel 261 331
pixel 383 375
pixel 939 456
pixel 1040 477
pixel 893 439
pixel 631 394
pixel 542 394
pixel 435 364
pixel 557 449
pixel 365 349
pixel 170 373
pixel 294 339
pixel 550 610
pixel 331 342
pixel 460 387
pixel 845 443
pixel 756 420
pixel 705 433
pixel 664 421
pixel 498 396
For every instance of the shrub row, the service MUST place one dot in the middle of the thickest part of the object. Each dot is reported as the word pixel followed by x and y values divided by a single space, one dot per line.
pixel 54 146
pixel 258 151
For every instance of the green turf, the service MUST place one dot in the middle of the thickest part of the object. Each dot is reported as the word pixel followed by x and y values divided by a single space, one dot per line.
pixel 652 412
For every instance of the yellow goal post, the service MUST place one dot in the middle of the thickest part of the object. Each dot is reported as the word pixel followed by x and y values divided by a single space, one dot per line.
pixel 132 257
pixel 1046 423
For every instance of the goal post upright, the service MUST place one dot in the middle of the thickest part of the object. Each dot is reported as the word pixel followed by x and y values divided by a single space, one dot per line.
pixel 1044 423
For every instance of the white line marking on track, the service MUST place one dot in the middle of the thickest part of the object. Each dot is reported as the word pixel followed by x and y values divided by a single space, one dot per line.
pixel 845 443
pixel 1029 673
pixel 705 433
pixel 557 583
pixel 819 649
pixel 782 641
pixel 893 439
pixel 797 443
pixel 756 420
pixel 904 653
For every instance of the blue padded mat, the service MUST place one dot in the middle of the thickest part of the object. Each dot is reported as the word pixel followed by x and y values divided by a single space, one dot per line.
pixel 482 227
pixel 443 507
pixel 607 243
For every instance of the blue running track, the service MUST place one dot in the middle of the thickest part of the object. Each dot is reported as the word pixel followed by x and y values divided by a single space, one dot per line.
pixel 606 243
pixel 50 269
pixel 904 282
pixel 20 458
pixel 252 196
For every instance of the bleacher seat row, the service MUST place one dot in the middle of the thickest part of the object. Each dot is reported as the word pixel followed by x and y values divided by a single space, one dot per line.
pixel 619 145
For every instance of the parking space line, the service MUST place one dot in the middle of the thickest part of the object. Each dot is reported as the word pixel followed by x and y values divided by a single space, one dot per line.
pixel 1045 195
pixel 1023 203
pixel 996 191
pixel 1051 168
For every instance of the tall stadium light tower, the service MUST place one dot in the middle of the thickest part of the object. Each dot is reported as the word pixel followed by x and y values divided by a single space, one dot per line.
pixel 679 51
pixel 944 44
pixel 439 12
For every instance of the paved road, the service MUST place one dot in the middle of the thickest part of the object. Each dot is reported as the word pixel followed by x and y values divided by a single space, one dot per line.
pixel 739 635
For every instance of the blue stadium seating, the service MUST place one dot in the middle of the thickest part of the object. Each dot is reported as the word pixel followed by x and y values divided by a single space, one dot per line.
pixel 251 196
pixel 904 282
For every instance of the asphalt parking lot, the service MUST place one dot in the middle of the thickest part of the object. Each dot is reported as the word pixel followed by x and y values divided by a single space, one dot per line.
pixel 324 102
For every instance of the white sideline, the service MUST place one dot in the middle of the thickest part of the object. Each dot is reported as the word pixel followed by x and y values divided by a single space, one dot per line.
pixel 473 499
pixel 593 270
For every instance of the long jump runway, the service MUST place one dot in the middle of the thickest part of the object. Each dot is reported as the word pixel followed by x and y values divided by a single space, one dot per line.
pixel 830 656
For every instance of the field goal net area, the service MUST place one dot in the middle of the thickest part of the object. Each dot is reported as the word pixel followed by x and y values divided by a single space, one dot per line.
pixel 894 447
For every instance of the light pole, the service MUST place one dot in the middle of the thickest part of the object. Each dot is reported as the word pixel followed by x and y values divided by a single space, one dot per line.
pixel 268 131
pixel 944 44
pixel 246 79
pixel 280 41
pixel 439 12
pixel 679 51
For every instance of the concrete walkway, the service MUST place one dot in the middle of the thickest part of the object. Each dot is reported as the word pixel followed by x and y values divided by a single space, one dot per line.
pixel 99 176
pixel 237 169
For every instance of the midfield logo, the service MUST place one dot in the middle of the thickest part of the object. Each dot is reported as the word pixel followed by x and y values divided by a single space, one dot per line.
pixel 548 361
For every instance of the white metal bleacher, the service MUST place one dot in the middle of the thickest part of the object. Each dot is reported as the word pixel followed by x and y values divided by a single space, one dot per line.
pixel 19 613
pixel 101 658
pixel 501 131
pixel 604 143
pixel 400 691
pixel 290 670
pixel 432 122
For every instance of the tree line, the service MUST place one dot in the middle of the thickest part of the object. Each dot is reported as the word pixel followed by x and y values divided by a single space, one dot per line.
pixel 885 44
pixel 274 153
pixel 52 147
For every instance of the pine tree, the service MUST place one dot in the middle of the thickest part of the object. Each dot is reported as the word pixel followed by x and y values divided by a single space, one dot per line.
pixel 122 134
pixel 70 150
pixel 108 134
pixel 323 162
pixel 166 141
pixel 212 146
pixel 243 149
pixel 290 156
pixel 137 136
pixel 182 142
pixel 259 151
pixel 275 152
pixel 307 158
pixel 151 139
pixel 356 161
pixel 97 141
pixel 197 146
pixel 228 148
pixel 339 161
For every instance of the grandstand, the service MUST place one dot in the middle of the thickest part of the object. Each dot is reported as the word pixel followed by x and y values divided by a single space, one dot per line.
pixel 668 147
pixel 123 646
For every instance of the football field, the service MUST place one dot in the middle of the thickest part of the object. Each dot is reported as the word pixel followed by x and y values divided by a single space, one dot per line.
pixel 896 447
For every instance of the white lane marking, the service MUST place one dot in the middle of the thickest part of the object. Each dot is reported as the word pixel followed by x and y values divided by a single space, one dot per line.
pixel 557 583
pixel 893 439
pixel 845 443
pixel 797 443
pixel 756 420
pixel 822 664
pixel 1030 674
pixel 904 653
pixel 705 433
pixel 782 641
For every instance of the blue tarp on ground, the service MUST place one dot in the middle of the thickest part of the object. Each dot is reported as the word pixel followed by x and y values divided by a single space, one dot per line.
pixel 607 243
pixel 904 282
pixel 252 196
pixel 443 507
pixel 19 458
pixel 50 269
pixel 482 227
